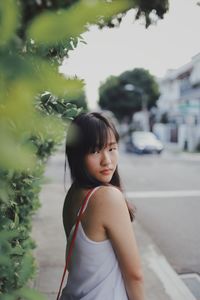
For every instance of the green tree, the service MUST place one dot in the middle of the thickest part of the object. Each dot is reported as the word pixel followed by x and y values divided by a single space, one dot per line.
pixel 128 93
pixel 79 101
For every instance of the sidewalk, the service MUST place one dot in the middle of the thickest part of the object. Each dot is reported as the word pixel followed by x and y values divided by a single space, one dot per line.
pixel 161 281
pixel 174 151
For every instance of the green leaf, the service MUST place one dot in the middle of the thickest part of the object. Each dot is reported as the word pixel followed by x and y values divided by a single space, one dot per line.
pixel 13 155
pixel 72 113
pixel 26 270
pixel 5 261
pixel 7 235
pixel 54 27
pixel 16 221
pixel 17 250
pixel 8 297
pixel 9 17
pixel 5 191
pixel 47 78
pixel 30 294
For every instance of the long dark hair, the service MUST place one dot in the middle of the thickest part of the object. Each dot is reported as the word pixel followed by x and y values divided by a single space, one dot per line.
pixel 88 132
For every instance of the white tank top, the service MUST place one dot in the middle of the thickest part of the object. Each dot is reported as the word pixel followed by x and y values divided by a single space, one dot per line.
pixel 94 272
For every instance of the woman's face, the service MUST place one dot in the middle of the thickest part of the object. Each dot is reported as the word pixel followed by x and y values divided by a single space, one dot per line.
pixel 102 164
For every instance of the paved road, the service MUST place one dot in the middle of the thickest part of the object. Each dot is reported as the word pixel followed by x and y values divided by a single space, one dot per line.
pixel 166 191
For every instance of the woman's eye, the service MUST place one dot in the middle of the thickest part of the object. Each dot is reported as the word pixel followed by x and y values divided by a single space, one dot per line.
pixel 111 149
pixel 96 151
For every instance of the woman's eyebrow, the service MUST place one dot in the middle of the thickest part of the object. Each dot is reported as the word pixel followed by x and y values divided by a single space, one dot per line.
pixel 112 143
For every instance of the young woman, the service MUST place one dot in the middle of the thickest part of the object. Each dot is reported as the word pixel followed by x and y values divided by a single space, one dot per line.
pixel 105 263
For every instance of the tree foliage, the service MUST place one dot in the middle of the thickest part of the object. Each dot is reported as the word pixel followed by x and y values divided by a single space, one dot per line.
pixel 147 8
pixel 128 93
pixel 76 15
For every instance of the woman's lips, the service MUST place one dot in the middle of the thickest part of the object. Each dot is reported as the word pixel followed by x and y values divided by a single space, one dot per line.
pixel 106 172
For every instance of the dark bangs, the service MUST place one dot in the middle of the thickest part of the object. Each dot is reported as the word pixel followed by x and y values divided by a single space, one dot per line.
pixel 96 133
pixel 88 133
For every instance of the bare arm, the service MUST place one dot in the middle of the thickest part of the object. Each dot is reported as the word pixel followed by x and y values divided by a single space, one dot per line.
pixel 116 221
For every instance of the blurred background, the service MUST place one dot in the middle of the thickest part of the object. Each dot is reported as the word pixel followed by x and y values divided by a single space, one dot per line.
pixel 168 50
pixel 137 61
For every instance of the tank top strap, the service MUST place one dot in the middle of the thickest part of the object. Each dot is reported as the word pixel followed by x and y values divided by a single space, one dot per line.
pixel 93 191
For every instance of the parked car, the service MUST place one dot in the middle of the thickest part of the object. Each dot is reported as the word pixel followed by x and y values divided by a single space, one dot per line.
pixel 143 142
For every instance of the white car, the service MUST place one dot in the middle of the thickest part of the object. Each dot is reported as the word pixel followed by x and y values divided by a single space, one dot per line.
pixel 143 142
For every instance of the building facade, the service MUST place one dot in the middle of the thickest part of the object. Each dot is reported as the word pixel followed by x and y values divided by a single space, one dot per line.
pixel 179 105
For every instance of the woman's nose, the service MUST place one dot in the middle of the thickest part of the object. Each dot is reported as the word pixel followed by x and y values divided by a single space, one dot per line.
pixel 105 159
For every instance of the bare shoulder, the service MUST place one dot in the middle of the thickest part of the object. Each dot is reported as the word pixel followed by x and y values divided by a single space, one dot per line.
pixel 108 193
pixel 109 200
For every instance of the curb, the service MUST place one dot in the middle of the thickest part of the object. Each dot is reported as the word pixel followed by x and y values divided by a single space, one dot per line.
pixel 155 263
pixel 173 285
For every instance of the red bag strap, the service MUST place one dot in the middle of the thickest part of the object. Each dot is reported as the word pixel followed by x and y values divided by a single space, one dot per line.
pixel 72 241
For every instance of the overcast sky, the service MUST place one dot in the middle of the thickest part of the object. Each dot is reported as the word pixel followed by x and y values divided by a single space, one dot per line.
pixel 168 45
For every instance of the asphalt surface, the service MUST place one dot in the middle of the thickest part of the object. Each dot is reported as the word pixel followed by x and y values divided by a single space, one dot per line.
pixel 166 192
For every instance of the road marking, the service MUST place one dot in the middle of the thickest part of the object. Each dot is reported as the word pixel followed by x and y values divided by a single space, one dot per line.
pixel 163 194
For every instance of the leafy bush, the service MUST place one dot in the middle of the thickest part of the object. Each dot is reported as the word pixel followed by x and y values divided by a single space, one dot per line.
pixel 19 199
